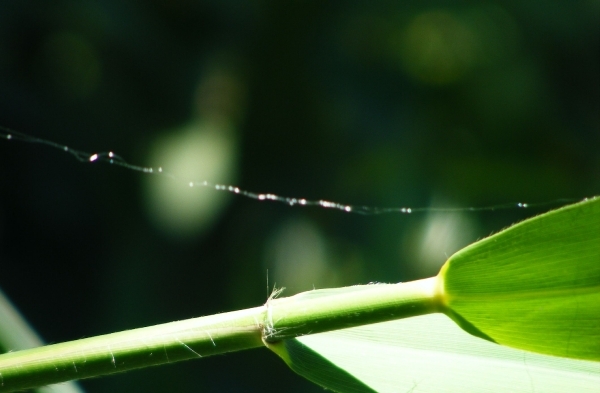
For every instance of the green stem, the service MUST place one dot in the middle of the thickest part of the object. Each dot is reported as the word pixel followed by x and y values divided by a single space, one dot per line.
pixel 16 334
pixel 332 309
pixel 131 349
pixel 305 313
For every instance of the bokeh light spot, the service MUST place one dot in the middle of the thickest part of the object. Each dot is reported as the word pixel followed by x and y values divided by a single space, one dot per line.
pixel 438 48
pixel 298 259
pixel 440 234
pixel 198 152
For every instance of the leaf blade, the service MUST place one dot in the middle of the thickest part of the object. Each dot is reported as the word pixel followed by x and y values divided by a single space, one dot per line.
pixel 534 286
pixel 431 354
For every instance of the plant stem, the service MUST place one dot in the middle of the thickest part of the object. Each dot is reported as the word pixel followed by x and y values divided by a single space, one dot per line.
pixel 131 349
pixel 332 309
pixel 16 333
pixel 306 313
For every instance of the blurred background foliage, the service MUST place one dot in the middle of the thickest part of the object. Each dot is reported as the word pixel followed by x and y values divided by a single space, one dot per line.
pixel 383 103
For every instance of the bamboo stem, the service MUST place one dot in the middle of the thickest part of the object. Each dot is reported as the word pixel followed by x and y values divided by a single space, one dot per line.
pixel 332 309
pixel 131 349
pixel 306 313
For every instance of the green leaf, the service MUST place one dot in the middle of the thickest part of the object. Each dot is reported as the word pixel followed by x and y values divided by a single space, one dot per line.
pixel 430 354
pixel 534 286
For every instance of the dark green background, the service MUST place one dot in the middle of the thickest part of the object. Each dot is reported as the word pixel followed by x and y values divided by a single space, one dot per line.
pixel 383 103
